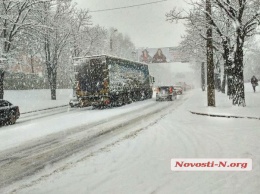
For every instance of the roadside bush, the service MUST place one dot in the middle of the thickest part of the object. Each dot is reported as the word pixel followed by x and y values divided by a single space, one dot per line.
pixel 22 81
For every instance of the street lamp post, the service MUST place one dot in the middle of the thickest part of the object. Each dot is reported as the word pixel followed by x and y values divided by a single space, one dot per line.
pixel 202 76
pixel 134 55
pixel 210 62
pixel 111 39
pixel 2 73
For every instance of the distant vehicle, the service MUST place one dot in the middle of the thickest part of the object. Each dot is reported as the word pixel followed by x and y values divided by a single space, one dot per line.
pixel 166 93
pixel 106 81
pixel 184 86
pixel 192 86
pixel 8 113
pixel 178 89
pixel 74 102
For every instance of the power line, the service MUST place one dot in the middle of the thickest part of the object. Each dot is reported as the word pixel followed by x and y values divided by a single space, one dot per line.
pixel 101 10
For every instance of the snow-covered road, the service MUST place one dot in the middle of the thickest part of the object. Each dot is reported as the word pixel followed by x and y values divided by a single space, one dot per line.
pixel 139 162
pixel 37 125
pixel 33 154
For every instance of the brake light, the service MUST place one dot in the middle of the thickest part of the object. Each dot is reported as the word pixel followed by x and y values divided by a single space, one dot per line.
pixel 107 102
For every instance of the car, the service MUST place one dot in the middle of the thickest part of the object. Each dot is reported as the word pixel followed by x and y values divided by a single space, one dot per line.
pixel 165 93
pixel 184 86
pixel 178 89
pixel 74 102
pixel 8 112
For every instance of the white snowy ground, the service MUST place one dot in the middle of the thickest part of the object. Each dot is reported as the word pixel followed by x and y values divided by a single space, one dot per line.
pixel 141 164
pixel 30 100
pixel 21 132
pixel 224 105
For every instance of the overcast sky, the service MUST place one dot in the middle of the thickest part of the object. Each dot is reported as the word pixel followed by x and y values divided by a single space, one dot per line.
pixel 145 25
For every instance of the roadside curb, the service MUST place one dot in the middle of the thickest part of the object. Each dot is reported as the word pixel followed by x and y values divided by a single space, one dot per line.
pixel 44 109
pixel 224 116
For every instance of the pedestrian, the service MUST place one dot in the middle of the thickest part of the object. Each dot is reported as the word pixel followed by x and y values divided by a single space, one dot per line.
pixel 254 82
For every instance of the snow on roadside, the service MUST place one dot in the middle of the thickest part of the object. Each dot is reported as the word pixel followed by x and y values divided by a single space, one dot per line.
pixel 141 164
pixel 29 100
pixel 224 105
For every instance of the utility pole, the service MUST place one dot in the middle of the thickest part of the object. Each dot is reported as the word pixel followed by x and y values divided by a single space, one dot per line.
pixel 2 73
pixel 229 69
pixel 3 62
pixel 111 39
pixel 202 76
pixel 134 55
pixel 210 62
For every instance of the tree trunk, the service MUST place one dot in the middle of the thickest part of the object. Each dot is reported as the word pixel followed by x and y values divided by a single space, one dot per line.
pixel 239 90
pixel 202 76
pixel 227 69
pixel 226 58
pixel 2 73
pixel 223 86
pixel 32 64
pixel 53 88
pixel 231 81
pixel 51 67
pixel 210 62
pixel 52 77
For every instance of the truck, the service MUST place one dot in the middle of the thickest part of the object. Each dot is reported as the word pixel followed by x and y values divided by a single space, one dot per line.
pixel 106 81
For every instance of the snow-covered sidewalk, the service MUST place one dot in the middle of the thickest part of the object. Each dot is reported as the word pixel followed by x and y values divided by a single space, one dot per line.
pixel 31 100
pixel 224 104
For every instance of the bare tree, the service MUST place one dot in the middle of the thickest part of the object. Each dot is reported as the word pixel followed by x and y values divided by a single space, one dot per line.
pixel 56 19
pixel 82 20
pixel 245 16
pixel 96 39
pixel 241 18
pixel 14 16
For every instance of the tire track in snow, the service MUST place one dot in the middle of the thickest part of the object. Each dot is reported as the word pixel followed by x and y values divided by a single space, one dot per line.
pixel 154 119
pixel 29 159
